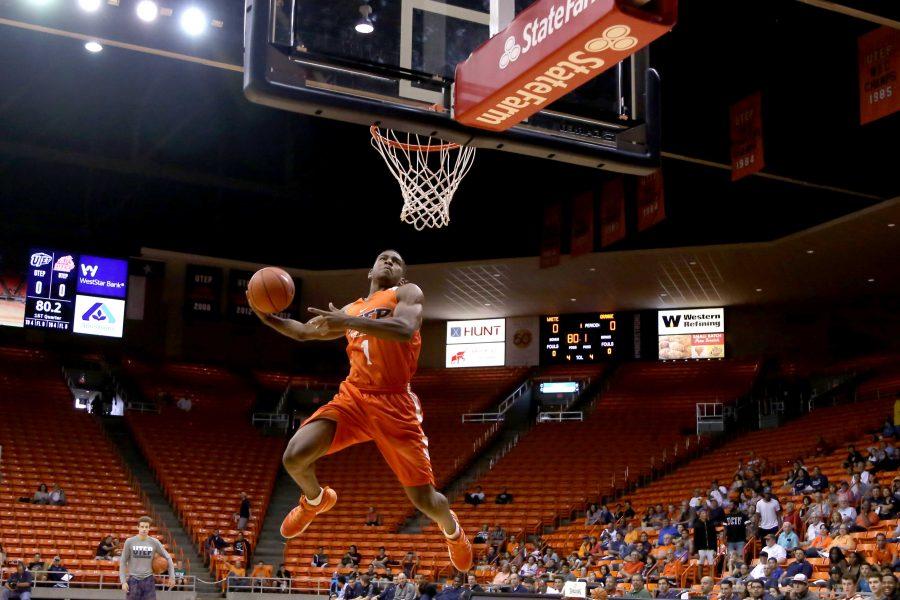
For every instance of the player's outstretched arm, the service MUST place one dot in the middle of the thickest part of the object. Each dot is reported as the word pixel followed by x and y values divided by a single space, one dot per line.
pixel 400 327
pixel 314 329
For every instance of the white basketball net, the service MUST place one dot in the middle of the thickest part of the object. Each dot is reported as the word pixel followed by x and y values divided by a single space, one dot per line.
pixel 428 170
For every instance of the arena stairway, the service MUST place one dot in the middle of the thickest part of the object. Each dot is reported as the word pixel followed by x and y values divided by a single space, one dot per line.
pixel 121 437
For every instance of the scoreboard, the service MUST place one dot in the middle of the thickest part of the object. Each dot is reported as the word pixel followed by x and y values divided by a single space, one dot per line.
pixel 581 337
pixel 76 293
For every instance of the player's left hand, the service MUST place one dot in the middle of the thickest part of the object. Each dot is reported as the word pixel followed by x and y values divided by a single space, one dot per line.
pixel 334 317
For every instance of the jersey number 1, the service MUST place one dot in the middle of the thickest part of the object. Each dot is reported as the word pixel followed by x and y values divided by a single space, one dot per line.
pixel 365 349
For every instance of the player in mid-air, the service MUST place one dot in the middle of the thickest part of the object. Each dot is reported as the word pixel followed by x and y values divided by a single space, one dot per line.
pixel 374 402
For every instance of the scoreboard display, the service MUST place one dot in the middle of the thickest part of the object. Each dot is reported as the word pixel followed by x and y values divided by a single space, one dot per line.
pixel 581 337
pixel 76 292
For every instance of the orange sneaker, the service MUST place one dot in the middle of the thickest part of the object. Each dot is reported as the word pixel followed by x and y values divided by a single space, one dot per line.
pixel 460 548
pixel 303 514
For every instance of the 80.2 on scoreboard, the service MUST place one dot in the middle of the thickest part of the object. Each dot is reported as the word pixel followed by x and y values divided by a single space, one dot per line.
pixel 580 337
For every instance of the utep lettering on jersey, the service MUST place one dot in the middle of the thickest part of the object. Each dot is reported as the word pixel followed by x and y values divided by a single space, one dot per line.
pixel 375 313
pixel 141 551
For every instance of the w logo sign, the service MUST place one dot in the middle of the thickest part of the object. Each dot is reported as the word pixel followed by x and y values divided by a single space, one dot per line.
pixel 671 320
pixel 89 270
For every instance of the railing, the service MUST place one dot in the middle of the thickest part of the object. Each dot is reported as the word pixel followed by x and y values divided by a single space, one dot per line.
pixel 149 407
pixel 490 417
pixel 271 420
pixel 272 585
pixel 559 416
pixel 109 581
pixel 710 417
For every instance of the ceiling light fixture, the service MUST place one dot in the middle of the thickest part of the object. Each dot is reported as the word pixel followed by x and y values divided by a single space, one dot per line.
pixel 194 21
pixel 892 224
pixel 573 299
pixel 758 289
pixel 147 10
pixel 487 303
pixel 810 251
pixel 93 47
pixel 365 24
pixel 89 5
pixel 871 280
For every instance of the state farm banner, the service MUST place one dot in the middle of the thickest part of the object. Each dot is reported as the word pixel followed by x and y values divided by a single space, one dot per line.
pixel 612 212
pixel 551 240
pixel 583 224
pixel 879 66
pixel 547 51
pixel 746 137
pixel 651 207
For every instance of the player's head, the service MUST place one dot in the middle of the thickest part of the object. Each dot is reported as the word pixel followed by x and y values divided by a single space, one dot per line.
pixel 389 269
pixel 144 526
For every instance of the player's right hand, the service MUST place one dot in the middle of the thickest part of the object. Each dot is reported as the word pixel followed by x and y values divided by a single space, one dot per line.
pixel 125 587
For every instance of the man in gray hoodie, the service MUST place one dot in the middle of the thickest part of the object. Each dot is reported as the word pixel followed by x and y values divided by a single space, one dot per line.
pixel 136 563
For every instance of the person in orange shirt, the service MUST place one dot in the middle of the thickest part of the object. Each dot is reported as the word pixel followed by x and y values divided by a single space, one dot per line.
pixel 866 517
pixel 633 565
pixel 260 572
pixel 672 567
pixel 820 543
pixel 374 403
pixel 884 554
pixel 843 540
pixel 660 551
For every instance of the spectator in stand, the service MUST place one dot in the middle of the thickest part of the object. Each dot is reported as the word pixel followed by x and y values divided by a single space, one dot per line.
pixel 57 496
pixel 726 590
pixel 352 558
pixel 791 516
pixel 705 540
pixel 854 564
pixel 843 540
pixel 41 496
pixel 769 512
pixel 847 512
pixel 638 590
pixel 515 585
pixel 37 565
pixel 2 556
pixel 867 516
pixel 475 498
pixel 405 589
pixel 631 566
pixel 19 584
pixel 735 531
pixel 452 589
pixel 788 539
pixel 682 553
pixel 215 543
pixel 180 575
pixel 666 527
pixel 283 574
pixel 319 559
pixel 243 515
pixel 592 515
pixel 875 586
pixel 339 588
pixel 799 589
pixel 373 519
pixel 848 588
pixel 836 560
pixel 800 565
pixel 774 550
pixel 716 512
pixel 664 590
pixel 409 564
pixel 57 574
pixel 530 568
pixel 504 497
pixel 259 573
pixel 106 548
pixel 503 575
pixel 883 555
pixel 818 482
pixel 889 585
pixel 381 560
pixel 241 547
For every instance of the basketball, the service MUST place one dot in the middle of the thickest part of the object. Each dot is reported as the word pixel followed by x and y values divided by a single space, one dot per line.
pixel 271 290
pixel 160 564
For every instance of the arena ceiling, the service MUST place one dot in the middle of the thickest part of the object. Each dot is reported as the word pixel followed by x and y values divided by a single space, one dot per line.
pixel 111 152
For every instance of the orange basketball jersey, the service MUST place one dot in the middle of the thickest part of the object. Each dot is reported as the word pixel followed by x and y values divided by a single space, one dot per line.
pixel 379 365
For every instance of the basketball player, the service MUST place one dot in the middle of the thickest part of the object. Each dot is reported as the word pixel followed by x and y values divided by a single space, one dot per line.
pixel 136 563
pixel 374 402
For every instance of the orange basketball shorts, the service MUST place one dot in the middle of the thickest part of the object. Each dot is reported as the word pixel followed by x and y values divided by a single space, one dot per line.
pixel 392 420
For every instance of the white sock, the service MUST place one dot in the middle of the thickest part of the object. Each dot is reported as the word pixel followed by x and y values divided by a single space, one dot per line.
pixel 454 535
pixel 318 499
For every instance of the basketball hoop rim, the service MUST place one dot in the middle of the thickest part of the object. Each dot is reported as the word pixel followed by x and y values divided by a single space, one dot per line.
pixel 376 134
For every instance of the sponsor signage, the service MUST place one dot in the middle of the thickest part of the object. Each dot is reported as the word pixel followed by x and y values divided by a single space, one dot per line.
pixel 479 330
pixel 490 354
pixel 700 320
pixel 691 333
pixel 99 316
pixel 548 50
pixel 559 387
pixel 107 276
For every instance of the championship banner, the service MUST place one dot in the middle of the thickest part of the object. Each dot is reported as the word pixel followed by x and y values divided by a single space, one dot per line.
pixel 651 207
pixel 583 224
pixel 612 212
pixel 879 67
pixel 746 137
pixel 551 240
pixel 203 291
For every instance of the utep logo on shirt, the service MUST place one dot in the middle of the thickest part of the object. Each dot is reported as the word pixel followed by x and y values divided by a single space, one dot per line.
pixel 375 313
pixel 141 551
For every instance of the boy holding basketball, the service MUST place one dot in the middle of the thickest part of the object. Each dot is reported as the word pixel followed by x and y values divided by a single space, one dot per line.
pixel 136 563
pixel 374 402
